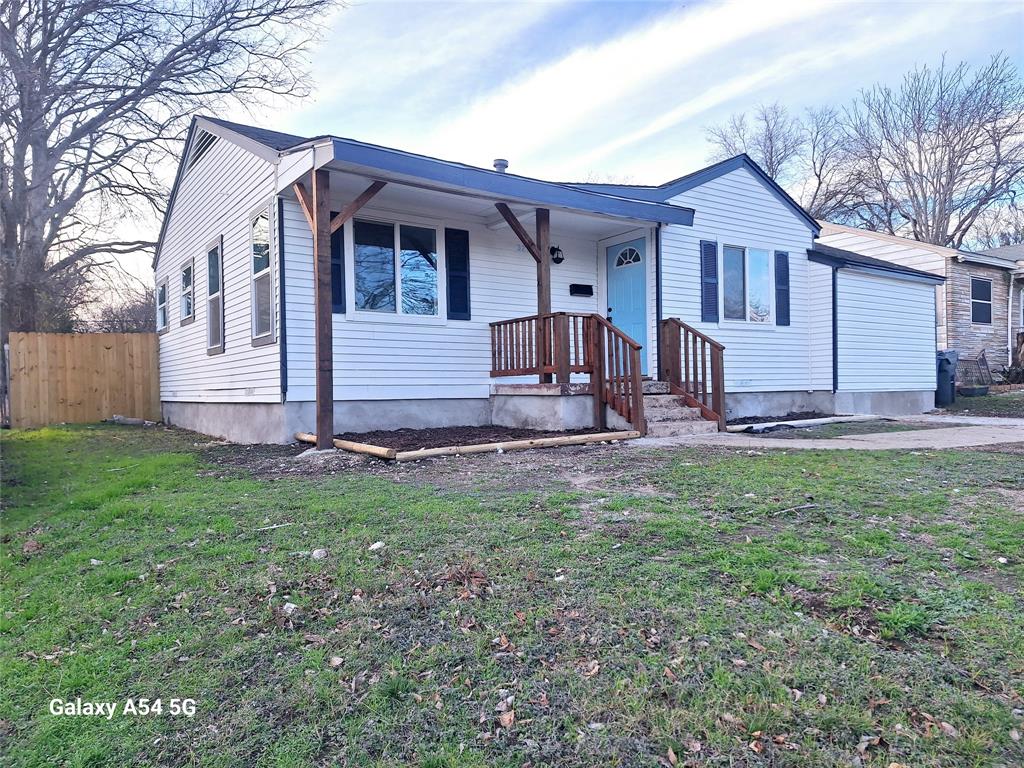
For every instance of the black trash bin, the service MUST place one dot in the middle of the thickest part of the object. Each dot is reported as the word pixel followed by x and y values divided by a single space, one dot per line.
pixel 945 388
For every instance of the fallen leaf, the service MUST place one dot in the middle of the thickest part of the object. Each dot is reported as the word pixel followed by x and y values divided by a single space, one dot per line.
pixel 377 545
pixel 822 699
pixel 672 757
pixel 591 668
pixel 670 674
pixel 1014 734
pixel 949 730
pixel 30 547
pixel 336 661
pixel 756 645
pixel 694 746
pixel 507 718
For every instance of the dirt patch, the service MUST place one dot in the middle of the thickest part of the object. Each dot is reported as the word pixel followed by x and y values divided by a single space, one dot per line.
pixel 442 437
pixel 787 417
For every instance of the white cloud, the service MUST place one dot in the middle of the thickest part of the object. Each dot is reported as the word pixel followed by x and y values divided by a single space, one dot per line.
pixel 556 100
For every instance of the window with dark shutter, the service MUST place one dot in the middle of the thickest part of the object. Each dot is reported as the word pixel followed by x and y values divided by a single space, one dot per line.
pixel 781 288
pixel 456 248
pixel 337 269
pixel 708 281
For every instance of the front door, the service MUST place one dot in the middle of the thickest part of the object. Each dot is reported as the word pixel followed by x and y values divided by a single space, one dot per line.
pixel 627 291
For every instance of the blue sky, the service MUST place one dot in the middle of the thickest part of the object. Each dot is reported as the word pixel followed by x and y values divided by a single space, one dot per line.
pixel 573 90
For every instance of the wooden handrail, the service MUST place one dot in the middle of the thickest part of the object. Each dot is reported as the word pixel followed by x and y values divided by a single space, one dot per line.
pixel 564 343
pixel 684 358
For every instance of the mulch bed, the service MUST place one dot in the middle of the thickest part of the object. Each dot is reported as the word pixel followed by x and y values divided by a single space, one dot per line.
pixel 787 417
pixel 442 437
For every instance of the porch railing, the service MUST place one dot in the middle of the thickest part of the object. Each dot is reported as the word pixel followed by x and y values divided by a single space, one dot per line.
pixel 693 364
pixel 560 344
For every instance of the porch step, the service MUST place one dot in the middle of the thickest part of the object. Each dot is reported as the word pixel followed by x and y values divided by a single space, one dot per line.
pixel 668 408
pixel 651 387
pixel 680 428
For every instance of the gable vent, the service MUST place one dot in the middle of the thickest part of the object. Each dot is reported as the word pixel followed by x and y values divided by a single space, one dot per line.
pixel 202 144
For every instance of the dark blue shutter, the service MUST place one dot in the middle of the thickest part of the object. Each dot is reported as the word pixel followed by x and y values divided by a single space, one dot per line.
pixel 456 255
pixel 337 269
pixel 781 288
pixel 708 281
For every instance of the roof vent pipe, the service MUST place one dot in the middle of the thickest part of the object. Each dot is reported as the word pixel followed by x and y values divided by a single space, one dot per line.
pixel 500 165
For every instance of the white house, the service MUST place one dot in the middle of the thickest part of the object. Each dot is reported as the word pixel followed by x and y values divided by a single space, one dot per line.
pixel 439 293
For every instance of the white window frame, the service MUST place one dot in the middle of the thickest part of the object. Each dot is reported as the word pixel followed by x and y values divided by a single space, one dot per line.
pixel 190 317
pixel 215 245
pixel 746 321
pixel 268 336
pixel 990 302
pixel 398 316
pixel 163 307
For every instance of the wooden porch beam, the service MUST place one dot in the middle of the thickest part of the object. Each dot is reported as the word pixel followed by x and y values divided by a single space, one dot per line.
pixel 352 208
pixel 305 203
pixel 520 230
pixel 544 288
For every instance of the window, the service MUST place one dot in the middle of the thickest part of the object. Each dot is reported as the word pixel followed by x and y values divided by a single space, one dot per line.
pixel 627 256
pixel 746 284
pixel 214 300
pixel 408 286
pixel 188 308
pixel 262 288
pixel 981 301
pixel 161 306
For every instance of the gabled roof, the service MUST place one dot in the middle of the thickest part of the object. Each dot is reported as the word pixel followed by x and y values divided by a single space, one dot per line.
pixel 387 164
pixel 837 257
pixel 685 183
pixel 1010 252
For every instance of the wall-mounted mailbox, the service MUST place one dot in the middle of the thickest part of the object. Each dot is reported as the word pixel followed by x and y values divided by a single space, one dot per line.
pixel 579 289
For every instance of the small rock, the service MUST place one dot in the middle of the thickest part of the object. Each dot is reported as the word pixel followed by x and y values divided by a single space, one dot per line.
pixel 335 662
pixel 1002 560
pixel 94 561
pixel 376 546
pixel 290 608
pixel 319 554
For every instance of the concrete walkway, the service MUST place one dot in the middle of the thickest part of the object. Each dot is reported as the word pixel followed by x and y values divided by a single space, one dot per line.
pixel 982 431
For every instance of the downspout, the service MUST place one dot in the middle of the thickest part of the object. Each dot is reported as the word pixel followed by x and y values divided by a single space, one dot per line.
pixel 835 330
pixel 657 299
pixel 283 325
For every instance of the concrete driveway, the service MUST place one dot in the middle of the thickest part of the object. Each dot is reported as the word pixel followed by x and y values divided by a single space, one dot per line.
pixel 980 431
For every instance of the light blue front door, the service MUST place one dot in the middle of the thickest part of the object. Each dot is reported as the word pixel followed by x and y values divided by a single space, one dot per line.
pixel 627 291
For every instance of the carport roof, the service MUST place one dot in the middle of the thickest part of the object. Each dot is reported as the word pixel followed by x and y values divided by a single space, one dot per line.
pixel 838 258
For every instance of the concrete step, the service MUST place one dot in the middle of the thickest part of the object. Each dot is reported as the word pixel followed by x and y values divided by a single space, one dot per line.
pixel 664 401
pixel 680 428
pixel 672 414
pixel 651 387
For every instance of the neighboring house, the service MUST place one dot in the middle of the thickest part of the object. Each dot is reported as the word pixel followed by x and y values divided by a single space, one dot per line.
pixel 1014 254
pixel 978 307
pixel 424 280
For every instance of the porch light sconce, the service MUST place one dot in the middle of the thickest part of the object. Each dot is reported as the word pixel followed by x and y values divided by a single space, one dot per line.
pixel 556 254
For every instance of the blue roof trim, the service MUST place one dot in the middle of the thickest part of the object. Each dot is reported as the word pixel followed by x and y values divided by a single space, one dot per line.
pixel 703 176
pixel 838 258
pixel 506 185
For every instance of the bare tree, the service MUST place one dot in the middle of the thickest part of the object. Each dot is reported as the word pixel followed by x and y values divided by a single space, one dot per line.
pixel 934 154
pixel 133 311
pixel 925 160
pixel 774 139
pixel 96 95
pixel 998 227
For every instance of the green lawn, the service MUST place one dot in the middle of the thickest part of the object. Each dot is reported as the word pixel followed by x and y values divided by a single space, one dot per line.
pixel 576 607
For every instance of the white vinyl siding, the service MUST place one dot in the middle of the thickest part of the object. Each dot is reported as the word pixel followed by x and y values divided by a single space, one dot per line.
pixel 737 208
pixel 820 282
pixel 388 356
pixel 900 251
pixel 886 333
pixel 216 197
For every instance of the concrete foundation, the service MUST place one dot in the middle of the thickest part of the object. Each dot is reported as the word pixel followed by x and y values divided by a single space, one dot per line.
pixel 885 403
pixel 278 422
pixel 741 405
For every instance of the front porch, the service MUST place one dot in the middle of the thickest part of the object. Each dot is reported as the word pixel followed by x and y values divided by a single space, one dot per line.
pixel 389 356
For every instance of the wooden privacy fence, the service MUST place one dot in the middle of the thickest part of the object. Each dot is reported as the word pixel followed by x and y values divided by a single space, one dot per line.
pixel 82 377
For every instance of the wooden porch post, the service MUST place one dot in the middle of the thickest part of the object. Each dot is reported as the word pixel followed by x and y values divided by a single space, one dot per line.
pixel 321 226
pixel 544 286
